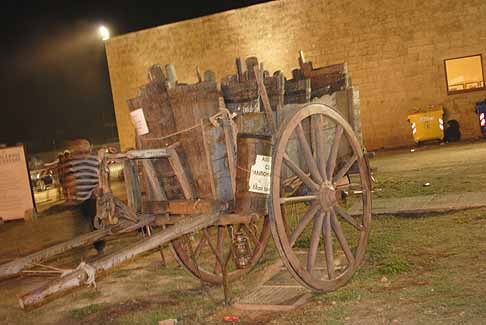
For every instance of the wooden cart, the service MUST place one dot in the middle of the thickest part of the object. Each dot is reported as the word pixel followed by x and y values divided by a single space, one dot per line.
pixel 214 186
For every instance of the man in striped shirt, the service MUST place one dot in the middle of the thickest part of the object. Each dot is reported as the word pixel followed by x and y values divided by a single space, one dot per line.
pixel 79 174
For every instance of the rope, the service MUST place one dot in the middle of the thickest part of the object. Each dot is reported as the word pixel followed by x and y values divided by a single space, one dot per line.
pixel 174 133
pixel 243 169
pixel 86 268
pixel 212 120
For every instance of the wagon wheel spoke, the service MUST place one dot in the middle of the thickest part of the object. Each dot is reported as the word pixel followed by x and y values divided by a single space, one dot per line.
pixel 314 244
pixel 331 163
pixel 294 199
pixel 309 214
pixel 211 246
pixel 300 173
pixel 336 226
pixel 311 163
pixel 326 229
pixel 349 163
pixel 318 130
pixel 218 267
pixel 199 246
pixel 348 218
pixel 230 252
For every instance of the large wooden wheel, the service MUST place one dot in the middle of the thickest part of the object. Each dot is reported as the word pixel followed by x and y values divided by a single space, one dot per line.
pixel 205 253
pixel 318 238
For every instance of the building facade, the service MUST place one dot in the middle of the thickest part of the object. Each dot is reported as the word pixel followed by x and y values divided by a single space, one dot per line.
pixel 395 51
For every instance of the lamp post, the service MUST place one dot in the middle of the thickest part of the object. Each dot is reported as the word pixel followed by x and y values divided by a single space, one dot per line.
pixel 104 34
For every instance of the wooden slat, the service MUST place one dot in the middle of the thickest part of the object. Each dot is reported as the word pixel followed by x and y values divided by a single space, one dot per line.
pixel 180 173
pixel 132 185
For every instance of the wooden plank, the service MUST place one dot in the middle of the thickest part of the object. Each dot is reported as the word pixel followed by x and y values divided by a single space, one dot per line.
pixel 264 307
pixel 208 159
pixel 132 185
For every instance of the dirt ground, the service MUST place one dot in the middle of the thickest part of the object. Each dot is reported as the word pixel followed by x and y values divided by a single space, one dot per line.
pixel 426 269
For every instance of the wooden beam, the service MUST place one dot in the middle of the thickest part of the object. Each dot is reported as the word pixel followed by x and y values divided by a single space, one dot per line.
pixel 262 91
pixel 139 154
pixel 176 165
pixel 224 219
pixel 183 207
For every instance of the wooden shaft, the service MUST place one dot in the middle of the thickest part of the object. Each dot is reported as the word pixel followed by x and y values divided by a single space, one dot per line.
pixel 14 267
pixel 79 277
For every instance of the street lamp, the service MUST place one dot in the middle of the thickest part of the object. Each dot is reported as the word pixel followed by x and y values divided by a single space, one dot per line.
pixel 104 32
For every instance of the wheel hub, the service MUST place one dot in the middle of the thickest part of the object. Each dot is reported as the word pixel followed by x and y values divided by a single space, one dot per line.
pixel 327 196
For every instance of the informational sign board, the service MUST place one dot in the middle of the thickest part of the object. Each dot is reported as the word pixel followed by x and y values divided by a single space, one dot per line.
pixel 138 119
pixel 260 175
pixel 16 199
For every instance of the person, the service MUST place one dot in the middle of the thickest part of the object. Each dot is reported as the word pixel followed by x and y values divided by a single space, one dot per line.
pixel 80 178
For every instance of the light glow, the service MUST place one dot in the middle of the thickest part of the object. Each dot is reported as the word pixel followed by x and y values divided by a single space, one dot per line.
pixel 104 33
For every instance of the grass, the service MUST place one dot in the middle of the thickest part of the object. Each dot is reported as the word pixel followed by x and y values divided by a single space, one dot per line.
pixel 83 312
pixel 90 294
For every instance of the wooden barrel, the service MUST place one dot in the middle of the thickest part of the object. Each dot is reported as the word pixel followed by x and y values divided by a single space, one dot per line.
pixel 240 91
pixel 251 150
pixel 297 91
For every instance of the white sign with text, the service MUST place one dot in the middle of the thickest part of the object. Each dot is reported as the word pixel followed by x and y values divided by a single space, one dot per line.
pixel 260 175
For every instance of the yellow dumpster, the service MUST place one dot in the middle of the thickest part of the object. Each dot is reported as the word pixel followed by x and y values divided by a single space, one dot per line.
pixel 428 125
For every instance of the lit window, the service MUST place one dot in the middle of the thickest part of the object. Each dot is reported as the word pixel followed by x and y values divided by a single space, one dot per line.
pixel 464 74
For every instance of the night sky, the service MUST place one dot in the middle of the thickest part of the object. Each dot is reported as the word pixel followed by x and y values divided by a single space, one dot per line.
pixel 53 70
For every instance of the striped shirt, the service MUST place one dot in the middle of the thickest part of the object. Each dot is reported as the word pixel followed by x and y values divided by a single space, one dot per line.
pixel 79 175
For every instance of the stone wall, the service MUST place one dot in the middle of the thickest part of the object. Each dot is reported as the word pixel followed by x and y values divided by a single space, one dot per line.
pixel 394 50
